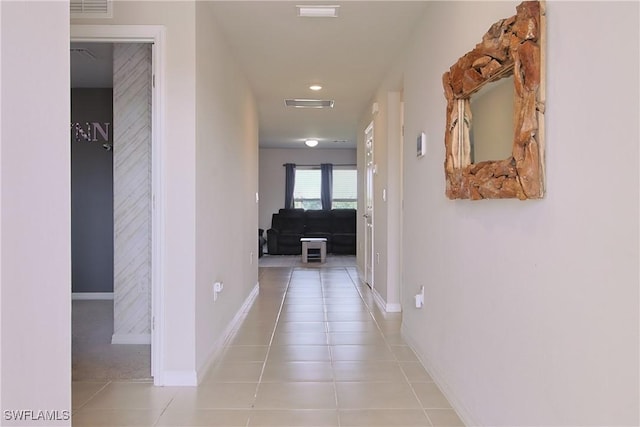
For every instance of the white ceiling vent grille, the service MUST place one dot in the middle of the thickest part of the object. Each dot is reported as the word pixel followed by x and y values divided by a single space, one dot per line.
pixel 91 8
pixel 308 103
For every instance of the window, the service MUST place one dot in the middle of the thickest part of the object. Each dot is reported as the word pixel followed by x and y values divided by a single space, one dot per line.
pixel 306 194
pixel 345 189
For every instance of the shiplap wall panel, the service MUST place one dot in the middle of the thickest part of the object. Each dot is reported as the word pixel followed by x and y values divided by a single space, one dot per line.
pixel 132 191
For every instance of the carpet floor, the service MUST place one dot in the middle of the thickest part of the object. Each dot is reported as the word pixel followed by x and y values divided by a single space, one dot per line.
pixel 93 355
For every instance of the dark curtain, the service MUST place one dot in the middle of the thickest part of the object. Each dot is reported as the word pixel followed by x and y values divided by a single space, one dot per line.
pixel 289 184
pixel 326 185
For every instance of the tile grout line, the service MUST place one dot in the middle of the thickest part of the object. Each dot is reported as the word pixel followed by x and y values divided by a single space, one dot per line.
pixel 389 347
pixel 266 358
pixel 326 322
pixel 92 396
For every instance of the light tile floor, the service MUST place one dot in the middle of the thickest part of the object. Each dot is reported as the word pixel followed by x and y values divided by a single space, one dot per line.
pixel 313 350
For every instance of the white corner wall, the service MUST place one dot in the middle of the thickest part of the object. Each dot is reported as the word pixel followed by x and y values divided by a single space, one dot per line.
pixel 531 313
pixel 387 191
pixel 226 188
pixel 210 182
pixel 35 234
pixel 179 177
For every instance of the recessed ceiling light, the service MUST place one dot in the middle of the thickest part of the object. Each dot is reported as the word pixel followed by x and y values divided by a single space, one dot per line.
pixel 318 11
pixel 309 103
pixel 315 87
pixel 311 142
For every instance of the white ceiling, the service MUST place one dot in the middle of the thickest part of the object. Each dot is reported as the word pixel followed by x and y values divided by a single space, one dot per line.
pixel 282 54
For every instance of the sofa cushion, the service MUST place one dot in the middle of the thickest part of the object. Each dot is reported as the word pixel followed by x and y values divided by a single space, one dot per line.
pixel 343 221
pixel 318 221
pixel 288 223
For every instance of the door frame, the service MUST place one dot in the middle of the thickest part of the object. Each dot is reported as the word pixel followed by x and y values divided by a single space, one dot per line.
pixel 154 34
pixel 369 256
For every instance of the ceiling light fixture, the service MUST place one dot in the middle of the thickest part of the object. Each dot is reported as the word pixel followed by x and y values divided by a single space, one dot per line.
pixel 315 87
pixel 311 142
pixel 308 103
pixel 318 11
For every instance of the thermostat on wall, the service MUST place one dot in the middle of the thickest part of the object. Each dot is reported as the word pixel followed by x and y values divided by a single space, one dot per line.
pixel 422 144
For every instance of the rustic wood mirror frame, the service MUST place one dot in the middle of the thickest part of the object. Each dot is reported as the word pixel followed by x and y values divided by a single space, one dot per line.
pixel 512 46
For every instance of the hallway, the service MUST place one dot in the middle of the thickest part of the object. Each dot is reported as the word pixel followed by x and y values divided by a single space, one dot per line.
pixel 313 350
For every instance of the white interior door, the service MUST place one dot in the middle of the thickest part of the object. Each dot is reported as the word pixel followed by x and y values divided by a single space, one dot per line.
pixel 368 208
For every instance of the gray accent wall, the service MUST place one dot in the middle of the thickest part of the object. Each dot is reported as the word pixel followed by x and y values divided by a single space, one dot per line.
pixel 91 196
pixel 132 192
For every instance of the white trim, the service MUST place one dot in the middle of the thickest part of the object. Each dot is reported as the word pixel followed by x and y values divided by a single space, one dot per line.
pixel 1 284
pixel 117 33
pixel 370 262
pixel 131 339
pixel 383 305
pixel 394 308
pixel 464 414
pixel 377 298
pixel 154 34
pixel 92 295
pixel 228 332
pixel 180 378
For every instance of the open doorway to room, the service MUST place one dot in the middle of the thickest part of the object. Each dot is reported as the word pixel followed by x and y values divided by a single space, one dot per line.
pixel 111 210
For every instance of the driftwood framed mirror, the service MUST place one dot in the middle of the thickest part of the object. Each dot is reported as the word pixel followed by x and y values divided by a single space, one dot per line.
pixel 511 48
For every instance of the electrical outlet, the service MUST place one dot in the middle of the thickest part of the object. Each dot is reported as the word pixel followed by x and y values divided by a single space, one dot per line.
pixel 217 288
pixel 419 297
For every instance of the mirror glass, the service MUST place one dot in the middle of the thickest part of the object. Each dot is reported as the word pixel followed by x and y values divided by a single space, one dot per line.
pixel 491 133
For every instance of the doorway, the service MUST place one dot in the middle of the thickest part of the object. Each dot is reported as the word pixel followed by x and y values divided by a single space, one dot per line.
pixel 368 207
pixel 111 210
pixel 153 36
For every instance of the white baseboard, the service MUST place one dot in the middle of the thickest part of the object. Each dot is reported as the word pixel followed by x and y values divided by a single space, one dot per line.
pixel 92 295
pixel 377 298
pixel 465 416
pixel 131 339
pixel 226 335
pixel 180 378
pixel 383 305
pixel 394 308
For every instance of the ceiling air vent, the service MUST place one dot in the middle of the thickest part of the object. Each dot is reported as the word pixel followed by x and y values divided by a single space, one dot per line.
pixel 91 8
pixel 318 11
pixel 308 103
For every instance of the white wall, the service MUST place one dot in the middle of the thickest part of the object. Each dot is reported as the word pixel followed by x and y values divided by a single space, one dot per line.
pixel 1 404
pixel 387 190
pixel 35 309
pixel 226 187
pixel 210 161
pixel 272 173
pixel 531 314
pixel 179 162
